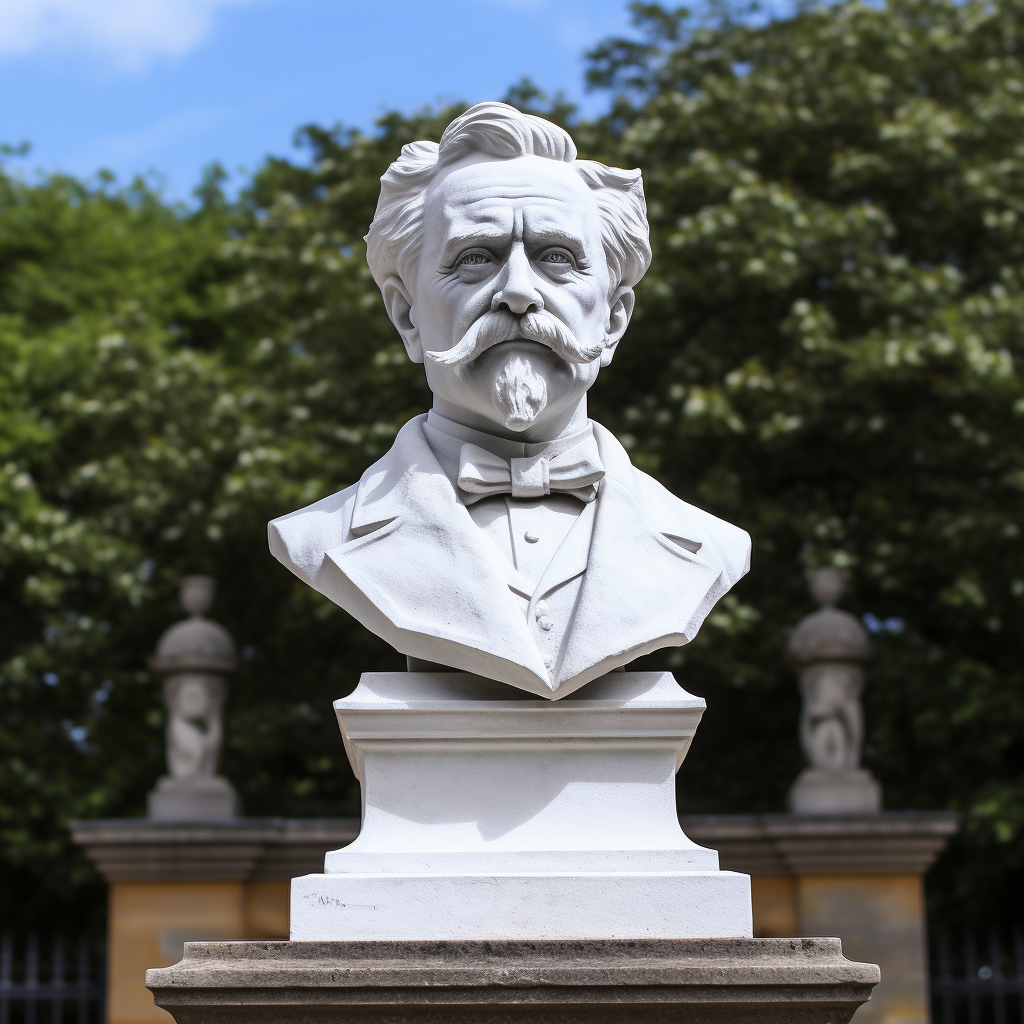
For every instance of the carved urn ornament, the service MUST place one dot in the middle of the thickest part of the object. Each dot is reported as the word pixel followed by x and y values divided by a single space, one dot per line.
pixel 828 649
pixel 194 656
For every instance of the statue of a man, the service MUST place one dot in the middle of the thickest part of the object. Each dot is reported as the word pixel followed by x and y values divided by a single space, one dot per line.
pixel 505 533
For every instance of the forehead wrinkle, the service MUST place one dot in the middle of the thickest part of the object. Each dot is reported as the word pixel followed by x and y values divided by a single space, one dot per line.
pixel 561 192
pixel 459 192
pixel 546 223
pixel 526 196
pixel 497 180
pixel 462 227
pixel 455 211
pixel 540 216
pixel 499 211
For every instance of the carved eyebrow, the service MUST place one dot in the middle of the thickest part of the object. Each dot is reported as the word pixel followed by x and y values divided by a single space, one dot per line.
pixel 553 236
pixel 457 243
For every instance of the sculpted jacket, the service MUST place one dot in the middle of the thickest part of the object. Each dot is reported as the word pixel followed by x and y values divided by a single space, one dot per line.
pixel 400 552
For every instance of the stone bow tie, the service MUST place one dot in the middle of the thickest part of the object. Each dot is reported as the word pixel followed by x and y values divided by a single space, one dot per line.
pixel 575 471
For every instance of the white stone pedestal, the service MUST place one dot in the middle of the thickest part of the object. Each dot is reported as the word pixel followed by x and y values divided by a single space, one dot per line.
pixel 203 798
pixel 492 814
pixel 853 791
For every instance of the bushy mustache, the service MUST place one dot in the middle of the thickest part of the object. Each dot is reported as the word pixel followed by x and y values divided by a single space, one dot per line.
pixel 499 325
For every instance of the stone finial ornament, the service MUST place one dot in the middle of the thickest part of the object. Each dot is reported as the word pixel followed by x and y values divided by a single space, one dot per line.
pixel 193 656
pixel 828 649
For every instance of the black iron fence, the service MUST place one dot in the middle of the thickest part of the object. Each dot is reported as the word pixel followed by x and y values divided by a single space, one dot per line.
pixel 978 978
pixel 53 981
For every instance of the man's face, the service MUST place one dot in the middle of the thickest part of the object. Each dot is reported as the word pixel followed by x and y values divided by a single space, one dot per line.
pixel 504 239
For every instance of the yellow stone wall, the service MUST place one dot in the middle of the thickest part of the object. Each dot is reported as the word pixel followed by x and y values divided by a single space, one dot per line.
pixel 150 921
pixel 880 919
pixel 774 905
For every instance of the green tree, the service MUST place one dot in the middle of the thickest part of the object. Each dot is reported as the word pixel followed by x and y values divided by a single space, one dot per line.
pixel 169 382
pixel 107 417
pixel 826 350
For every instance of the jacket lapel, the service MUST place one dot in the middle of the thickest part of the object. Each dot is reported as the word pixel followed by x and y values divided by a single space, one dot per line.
pixel 642 591
pixel 417 556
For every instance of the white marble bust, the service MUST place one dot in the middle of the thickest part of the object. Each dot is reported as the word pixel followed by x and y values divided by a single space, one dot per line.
pixel 505 533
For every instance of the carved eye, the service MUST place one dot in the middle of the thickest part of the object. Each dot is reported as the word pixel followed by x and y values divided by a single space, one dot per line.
pixel 473 259
pixel 556 257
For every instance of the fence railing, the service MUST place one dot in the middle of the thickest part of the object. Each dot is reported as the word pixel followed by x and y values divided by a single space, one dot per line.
pixel 978 979
pixel 56 981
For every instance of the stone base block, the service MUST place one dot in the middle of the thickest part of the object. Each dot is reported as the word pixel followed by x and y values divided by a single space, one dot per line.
pixel 823 792
pixel 697 981
pixel 640 905
pixel 203 799
pixel 491 814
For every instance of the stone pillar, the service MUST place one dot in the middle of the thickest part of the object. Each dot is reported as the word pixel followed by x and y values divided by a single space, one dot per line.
pixel 857 877
pixel 192 869
pixel 194 656
pixel 829 649
pixel 172 882
pixel 839 865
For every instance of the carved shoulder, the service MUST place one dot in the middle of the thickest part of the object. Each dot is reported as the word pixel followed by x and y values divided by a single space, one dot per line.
pixel 299 539
pixel 720 542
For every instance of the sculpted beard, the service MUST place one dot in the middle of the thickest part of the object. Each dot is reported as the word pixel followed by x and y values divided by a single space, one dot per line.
pixel 520 393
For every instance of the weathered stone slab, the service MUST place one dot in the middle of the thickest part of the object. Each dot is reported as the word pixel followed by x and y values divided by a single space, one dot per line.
pixel 697 981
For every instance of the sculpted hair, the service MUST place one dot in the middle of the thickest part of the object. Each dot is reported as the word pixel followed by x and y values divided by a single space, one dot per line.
pixel 496 129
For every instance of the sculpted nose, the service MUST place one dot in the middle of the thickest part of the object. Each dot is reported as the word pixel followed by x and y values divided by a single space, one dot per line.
pixel 517 288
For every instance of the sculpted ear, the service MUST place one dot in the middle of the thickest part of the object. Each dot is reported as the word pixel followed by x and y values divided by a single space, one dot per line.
pixel 621 310
pixel 398 303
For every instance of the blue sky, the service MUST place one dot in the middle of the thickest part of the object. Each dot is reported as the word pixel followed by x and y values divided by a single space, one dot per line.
pixel 169 85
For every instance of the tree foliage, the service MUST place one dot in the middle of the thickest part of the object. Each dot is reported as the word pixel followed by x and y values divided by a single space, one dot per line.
pixel 827 351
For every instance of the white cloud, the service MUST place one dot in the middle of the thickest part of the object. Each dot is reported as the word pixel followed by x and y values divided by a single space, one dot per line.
pixel 130 34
